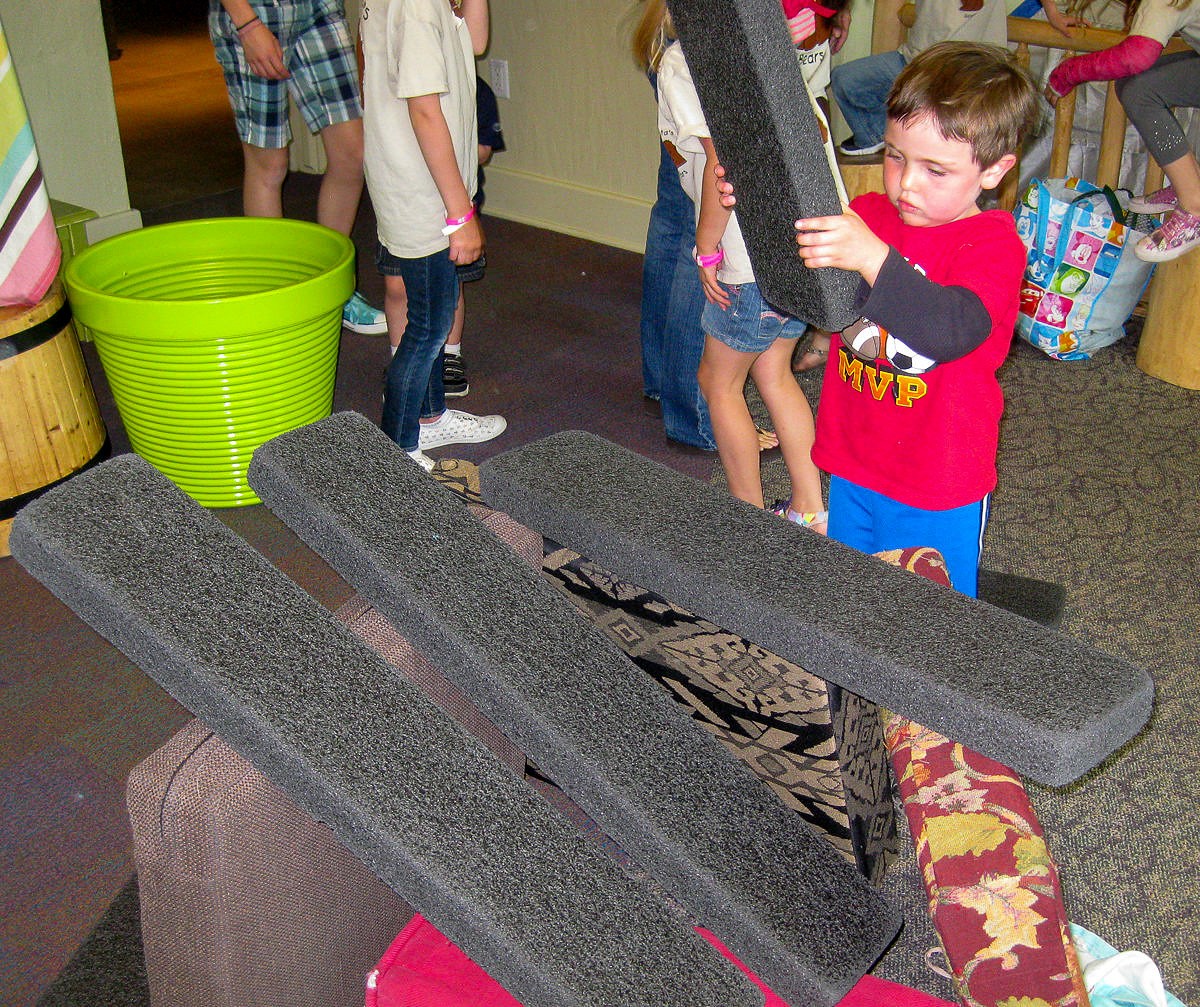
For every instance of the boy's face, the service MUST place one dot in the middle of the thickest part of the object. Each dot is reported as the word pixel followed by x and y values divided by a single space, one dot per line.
pixel 932 180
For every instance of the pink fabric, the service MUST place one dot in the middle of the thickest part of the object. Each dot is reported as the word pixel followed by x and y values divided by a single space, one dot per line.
pixel 423 968
pixel 1129 56
pixel 29 268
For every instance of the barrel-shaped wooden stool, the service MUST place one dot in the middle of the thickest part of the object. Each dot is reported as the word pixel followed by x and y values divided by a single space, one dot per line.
pixel 50 426
pixel 1169 348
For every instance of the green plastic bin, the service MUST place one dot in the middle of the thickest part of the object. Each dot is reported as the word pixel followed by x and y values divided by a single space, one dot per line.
pixel 215 336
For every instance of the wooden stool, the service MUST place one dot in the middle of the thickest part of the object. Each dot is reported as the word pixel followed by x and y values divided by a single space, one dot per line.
pixel 50 425
pixel 1170 345
pixel 861 174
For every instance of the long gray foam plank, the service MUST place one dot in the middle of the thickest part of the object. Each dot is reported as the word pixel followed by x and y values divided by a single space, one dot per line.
pixel 765 132
pixel 418 799
pixel 1047 705
pixel 696 819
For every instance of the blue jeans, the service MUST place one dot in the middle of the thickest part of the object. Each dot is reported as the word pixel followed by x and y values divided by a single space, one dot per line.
pixel 672 300
pixel 414 377
pixel 861 88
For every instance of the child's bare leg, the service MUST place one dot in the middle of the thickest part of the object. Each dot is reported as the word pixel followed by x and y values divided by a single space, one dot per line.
pixel 262 182
pixel 793 419
pixel 722 377
pixel 342 183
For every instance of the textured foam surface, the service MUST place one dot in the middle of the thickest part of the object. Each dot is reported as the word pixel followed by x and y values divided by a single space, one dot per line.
pixel 326 719
pixel 769 141
pixel 697 820
pixel 1046 705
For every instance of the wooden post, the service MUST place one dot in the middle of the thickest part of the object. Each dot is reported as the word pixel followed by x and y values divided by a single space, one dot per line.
pixel 1170 345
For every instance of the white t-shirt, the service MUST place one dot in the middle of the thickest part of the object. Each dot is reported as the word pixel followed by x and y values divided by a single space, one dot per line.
pixel 681 123
pixel 946 21
pixel 412 48
pixel 1158 20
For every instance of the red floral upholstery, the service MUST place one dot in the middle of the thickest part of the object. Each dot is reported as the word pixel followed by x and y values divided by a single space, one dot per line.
pixel 992 884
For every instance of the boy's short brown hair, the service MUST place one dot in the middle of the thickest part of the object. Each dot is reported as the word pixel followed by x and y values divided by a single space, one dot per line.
pixel 976 93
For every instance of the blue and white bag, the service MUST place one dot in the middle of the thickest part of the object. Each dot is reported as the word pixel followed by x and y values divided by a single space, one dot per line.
pixel 1082 278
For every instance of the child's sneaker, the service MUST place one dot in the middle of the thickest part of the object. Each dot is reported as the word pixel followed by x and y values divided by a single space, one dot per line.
pixel 805 519
pixel 1155 202
pixel 456 427
pixel 1178 234
pixel 849 148
pixel 358 316
pixel 454 376
pixel 422 459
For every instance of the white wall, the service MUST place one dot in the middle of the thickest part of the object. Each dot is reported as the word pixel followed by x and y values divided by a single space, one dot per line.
pixel 61 60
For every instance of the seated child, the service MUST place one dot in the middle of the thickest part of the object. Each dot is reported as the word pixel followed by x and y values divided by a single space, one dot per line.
pixel 861 86
pixel 909 419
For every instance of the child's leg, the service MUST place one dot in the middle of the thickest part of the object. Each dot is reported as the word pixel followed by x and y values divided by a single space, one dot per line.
pixel 414 383
pixel 861 88
pixel 722 377
pixel 793 420
pixel 1148 97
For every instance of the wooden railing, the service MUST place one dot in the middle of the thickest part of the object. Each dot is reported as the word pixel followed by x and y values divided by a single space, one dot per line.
pixel 892 18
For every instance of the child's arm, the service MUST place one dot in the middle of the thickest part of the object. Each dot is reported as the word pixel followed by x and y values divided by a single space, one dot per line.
pixel 942 322
pixel 1060 22
pixel 710 228
pixel 263 52
pixel 1129 56
pixel 437 148
pixel 475 13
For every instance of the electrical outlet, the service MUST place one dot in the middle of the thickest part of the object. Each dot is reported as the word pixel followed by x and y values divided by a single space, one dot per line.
pixel 498 69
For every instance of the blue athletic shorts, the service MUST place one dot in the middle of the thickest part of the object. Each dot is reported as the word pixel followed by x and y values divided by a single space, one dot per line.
pixel 318 53
pixel 749 324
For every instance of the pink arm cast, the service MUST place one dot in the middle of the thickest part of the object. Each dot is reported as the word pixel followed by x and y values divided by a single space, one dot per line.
pixel 1133 55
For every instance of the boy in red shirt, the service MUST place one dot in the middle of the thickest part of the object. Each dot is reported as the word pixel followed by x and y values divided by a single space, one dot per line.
pixel 909 418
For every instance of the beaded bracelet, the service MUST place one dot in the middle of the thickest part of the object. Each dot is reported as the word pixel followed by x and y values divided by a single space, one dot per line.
pixel 708 261
pixel 454 223
pixel 241 28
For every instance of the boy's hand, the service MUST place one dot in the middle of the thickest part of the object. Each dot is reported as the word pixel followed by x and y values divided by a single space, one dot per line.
pixel 466 244
pixel 263 52
pixel 844 241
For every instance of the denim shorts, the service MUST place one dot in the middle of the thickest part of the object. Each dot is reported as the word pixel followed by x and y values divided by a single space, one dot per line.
pixel 749 324
pixel 320 55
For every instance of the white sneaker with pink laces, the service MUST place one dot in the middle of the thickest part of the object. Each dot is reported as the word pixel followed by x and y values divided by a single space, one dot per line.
pixel 1178 234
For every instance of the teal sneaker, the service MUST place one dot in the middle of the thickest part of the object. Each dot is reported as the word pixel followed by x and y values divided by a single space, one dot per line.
pixel 359 316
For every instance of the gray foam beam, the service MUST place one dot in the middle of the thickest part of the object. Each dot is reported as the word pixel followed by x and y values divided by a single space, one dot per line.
pixel 694 818
pixel 1038 701
pixel 412 794
pixel 769 140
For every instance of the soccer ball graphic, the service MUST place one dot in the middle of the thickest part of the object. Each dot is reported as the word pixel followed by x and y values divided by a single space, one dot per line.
pixel 905 359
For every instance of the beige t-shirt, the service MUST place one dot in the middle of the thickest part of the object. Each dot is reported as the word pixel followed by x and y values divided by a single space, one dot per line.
pixel 948 21
pixel 412 48
pixel 1158 20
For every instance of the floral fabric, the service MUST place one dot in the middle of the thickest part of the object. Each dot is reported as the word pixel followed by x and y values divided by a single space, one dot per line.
pixel 993 887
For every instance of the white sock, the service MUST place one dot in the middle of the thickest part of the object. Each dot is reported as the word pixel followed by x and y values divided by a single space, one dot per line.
pixel 453 350
pixel 394 349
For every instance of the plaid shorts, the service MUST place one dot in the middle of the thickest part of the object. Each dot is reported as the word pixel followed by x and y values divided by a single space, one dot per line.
pixel 319 55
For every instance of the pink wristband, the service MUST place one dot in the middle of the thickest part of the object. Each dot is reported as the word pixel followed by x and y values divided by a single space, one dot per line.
pixel 708 261
pixel 454 223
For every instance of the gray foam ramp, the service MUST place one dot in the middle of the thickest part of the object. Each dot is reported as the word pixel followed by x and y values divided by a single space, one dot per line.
pixel 768 139
pixel 418 799
pixel 1049 706
pixel 695 819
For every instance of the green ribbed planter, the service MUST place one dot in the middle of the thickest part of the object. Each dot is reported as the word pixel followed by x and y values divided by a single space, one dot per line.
pixel 215 336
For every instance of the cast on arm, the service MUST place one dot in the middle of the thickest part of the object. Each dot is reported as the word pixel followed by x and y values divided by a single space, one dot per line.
pixel 1129 56
pixel 262 49
pixel 437 149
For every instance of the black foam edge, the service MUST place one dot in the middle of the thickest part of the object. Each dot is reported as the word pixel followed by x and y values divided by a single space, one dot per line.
pixel 533 902
pixel 1049 706
pixel 829 914
pixel 750 84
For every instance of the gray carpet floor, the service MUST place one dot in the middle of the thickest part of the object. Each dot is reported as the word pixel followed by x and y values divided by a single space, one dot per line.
pixel 1097 490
